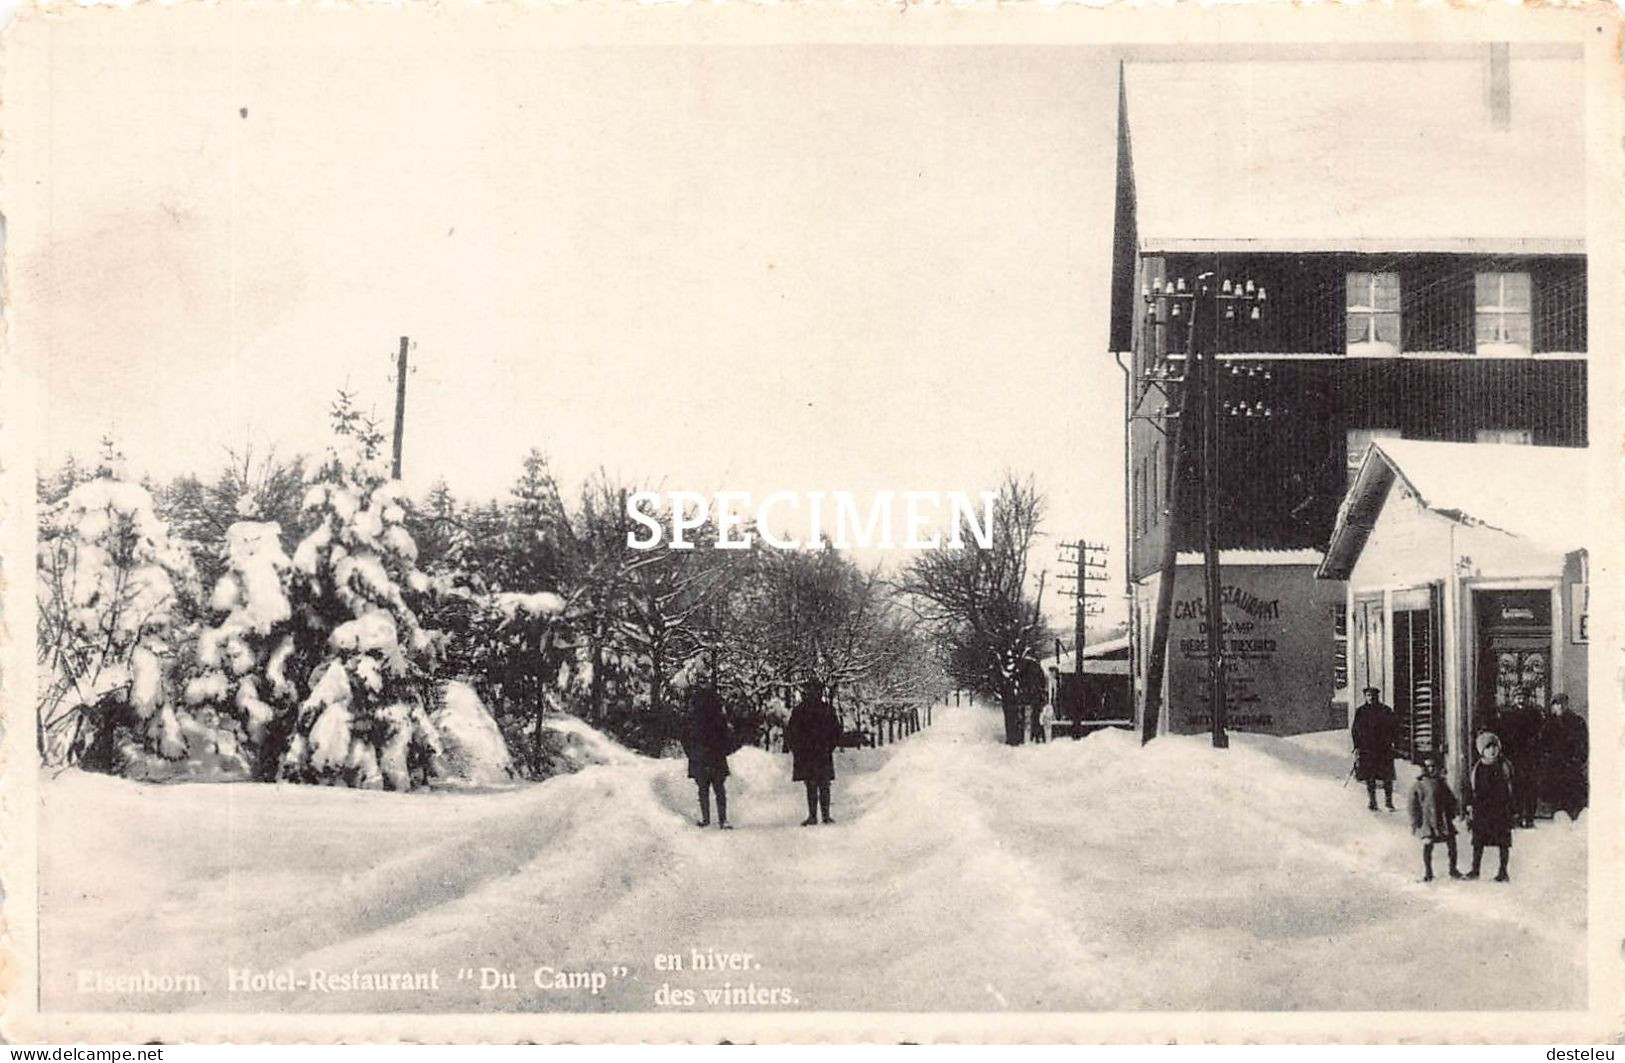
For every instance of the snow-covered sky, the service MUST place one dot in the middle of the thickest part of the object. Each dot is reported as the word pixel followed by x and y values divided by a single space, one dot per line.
pixel 752 268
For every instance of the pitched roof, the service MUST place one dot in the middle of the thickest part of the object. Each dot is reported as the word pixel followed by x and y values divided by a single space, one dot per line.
pixel 1357 152
pixel 1534 493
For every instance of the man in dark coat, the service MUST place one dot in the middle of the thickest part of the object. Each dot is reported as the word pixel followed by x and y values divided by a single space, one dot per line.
pixel 1567 743
pixel 710 740
pixel 1519 729
pixel 1374 731
pixel 1489 803
pixel 811 736
pixel 1033 689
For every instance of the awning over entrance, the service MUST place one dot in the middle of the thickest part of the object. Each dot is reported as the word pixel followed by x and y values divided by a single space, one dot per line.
pixel 1533 493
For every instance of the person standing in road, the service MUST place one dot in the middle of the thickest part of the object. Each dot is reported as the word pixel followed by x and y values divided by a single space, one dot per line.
pixel 1433 813
pixel 811 736
pixel 710 740
pixel 1374 730
pixel 1489 803
pixel 1567 746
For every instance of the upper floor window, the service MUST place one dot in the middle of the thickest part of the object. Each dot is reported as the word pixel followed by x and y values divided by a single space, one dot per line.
pixel 1501 306
pixel 1373 313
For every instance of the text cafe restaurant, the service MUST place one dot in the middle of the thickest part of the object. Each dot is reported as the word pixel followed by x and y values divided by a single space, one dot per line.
pixel 1466 574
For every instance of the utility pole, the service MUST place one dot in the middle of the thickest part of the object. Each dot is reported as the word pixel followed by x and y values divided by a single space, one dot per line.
pixel 400 406
pixel 1092 568
pixel 1165 307
pixel 1202 305
pixel 1206 324
pixel 1079 632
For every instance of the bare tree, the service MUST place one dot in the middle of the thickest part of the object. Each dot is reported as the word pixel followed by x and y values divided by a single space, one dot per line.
pixel 973 598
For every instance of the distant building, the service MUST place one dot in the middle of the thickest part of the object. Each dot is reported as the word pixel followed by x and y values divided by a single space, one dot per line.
pixel 1418 227
pixel 1467 579
pixel 1104 695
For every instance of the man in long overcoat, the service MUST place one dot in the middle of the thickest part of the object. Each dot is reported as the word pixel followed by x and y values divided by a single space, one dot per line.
pixel 710 740
pixel 1520 729
pixel 811 736
pixel 1567 743
pixel 1374 732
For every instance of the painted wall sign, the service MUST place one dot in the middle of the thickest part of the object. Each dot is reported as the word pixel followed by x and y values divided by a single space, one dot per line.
pixel 1279 639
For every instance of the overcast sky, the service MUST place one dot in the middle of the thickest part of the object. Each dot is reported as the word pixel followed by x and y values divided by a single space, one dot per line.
pixel 753 268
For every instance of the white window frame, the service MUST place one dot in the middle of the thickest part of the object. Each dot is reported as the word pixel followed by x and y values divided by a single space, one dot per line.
pixel 1362 302
pixel 1500 343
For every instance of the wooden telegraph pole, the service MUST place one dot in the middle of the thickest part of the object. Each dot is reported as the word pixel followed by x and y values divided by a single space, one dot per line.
pixel 1091 568
pixel 1166 306
pixel 400 407
pixel 1206 323
pixel 1202 305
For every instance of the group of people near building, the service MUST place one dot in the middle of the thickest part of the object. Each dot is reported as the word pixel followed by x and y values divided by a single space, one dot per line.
pixel 1521 755
pixel 812 735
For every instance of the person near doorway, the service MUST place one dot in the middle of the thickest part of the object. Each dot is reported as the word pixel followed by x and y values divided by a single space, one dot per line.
pixel 812 735
pixel 710 740
pixel 1433 816
pixel 1489 804
pixel 1519 728
pixel 1567 743
pixel 1374 732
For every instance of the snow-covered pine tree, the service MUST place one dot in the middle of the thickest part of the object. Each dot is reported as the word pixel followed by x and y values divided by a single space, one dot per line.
pixel 243 658
pixel 358 645
pixel 110 582
pixel 536 528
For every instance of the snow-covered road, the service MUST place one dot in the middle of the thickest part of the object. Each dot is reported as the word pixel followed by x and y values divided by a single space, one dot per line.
pixel 961 875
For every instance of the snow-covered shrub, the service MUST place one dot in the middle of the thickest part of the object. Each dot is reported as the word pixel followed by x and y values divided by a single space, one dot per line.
pixel 203 746
pixel 242 660
pixel 519 648
pixel 569 744
pixel 475 752
pixel 358 650
pixel 110 582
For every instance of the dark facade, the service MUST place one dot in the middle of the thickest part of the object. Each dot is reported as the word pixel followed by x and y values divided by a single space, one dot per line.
pixel 1402 303
pixel 1283 475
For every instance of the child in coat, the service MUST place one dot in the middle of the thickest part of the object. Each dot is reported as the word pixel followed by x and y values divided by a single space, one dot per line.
pixel 1433 814
pixel 1490 805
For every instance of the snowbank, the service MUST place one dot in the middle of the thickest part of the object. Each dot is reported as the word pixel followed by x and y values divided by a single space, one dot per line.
pixel 581 745
pixel 474 751
pixel 960 875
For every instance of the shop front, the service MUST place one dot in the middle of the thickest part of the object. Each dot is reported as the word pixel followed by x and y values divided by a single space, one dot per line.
pixel 1459 594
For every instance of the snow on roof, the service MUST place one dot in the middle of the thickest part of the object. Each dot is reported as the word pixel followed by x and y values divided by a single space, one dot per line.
pixel 1098 657
pixel 1535 493
pixel 1105 647
pixel 1239 558
pixel 1363 153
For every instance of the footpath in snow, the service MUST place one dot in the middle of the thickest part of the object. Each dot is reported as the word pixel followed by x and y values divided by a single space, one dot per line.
pixel 961 875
